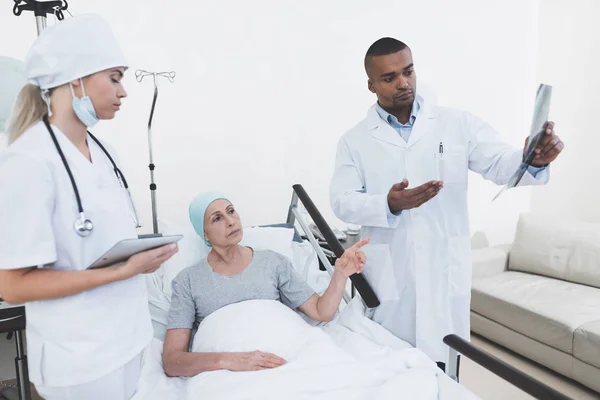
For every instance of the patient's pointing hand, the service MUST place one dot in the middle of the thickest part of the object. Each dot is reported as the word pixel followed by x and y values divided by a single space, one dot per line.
pixel 253 361
pixel 352 261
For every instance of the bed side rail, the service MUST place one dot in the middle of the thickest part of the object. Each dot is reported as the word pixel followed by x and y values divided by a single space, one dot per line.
pixel 498 367
pixel 358 280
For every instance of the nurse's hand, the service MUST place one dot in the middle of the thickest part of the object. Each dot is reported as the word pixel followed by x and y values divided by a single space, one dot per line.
pixel 252 361
pixel 400 198
pixel 352 261
pixel 147 262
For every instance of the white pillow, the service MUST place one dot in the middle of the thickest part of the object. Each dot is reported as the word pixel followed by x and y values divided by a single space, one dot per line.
pixel 269 238
pixel 559 248
pixel 192 250
pixel 265 325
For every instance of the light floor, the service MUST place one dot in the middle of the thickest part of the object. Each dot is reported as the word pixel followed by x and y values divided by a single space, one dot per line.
pixel 477 379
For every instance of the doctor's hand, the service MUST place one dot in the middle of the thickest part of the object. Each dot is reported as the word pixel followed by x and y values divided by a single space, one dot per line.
pixel 549 147
pixel 146 262
pixel 400 198
pixel 352 261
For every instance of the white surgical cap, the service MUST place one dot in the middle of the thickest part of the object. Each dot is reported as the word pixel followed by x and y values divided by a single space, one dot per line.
pixel 72 49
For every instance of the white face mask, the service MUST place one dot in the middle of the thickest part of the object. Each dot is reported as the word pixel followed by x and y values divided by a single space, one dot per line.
pixel 83 107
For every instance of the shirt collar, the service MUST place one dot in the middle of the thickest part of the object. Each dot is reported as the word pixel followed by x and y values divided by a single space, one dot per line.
pixel 392 120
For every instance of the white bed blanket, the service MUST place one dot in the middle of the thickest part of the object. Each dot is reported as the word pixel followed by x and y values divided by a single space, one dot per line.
pixel 340 361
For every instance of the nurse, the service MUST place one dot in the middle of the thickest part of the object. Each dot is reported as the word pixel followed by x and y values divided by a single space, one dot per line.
pixel 63 203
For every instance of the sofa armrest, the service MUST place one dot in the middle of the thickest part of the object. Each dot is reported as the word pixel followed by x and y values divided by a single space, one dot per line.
pixel 489 261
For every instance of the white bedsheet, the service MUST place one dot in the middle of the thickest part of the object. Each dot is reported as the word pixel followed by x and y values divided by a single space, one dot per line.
pixel 356 359
pixel 318 368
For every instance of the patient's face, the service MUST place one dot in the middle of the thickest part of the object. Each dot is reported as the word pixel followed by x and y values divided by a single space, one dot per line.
pixel 222 224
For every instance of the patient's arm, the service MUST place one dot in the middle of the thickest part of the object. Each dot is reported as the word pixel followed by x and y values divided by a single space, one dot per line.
pixel 177 361
pixel 323 308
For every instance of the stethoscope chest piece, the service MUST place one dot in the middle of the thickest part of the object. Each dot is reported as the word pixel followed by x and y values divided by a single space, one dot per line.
pixel 83 226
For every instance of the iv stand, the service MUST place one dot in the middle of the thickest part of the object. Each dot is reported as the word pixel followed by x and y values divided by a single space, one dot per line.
pixel 40 10
pixel 140 74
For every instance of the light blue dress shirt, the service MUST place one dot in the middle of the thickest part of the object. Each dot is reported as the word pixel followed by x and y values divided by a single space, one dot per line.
pixel 403 129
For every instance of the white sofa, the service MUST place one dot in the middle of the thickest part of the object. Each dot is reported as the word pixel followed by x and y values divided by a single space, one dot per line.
pixel 540 296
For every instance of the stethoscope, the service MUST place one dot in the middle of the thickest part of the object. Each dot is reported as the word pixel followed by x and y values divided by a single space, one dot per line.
pixel 82 225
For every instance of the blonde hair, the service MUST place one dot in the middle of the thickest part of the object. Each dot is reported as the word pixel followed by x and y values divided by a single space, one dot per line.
pixel 29 108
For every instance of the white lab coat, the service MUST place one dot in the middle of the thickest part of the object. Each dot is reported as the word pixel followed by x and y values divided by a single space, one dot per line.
pixel 419 262
pixel 81 338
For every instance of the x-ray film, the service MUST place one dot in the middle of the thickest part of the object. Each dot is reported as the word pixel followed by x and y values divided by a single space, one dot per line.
pixel 540 116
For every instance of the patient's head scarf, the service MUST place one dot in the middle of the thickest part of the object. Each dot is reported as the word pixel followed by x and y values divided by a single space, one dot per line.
pixel 198 208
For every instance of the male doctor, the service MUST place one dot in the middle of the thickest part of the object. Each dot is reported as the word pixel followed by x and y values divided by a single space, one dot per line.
pixel 401 173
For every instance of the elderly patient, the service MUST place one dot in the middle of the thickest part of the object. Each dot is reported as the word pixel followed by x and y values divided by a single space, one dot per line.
pixel 232 273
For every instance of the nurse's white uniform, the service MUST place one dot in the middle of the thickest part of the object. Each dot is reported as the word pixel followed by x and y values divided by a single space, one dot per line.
pixel 85 346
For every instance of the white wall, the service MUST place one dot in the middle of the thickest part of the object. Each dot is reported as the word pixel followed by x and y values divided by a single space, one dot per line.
pixel 569 57
pixel 265 88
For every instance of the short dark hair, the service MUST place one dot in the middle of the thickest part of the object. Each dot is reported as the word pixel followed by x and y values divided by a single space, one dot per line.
pixel 383 47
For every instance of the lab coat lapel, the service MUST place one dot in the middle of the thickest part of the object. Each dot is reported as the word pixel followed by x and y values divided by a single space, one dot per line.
pixel 383 131
pixel 424 124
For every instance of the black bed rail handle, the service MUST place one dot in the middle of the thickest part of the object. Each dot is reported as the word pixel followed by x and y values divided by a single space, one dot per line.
pixel 498 367
pixel 360 283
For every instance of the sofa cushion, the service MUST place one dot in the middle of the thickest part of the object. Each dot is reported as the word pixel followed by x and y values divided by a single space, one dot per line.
pixel 586 343
pixel 488 261
pixel 545 309
pixel 560 249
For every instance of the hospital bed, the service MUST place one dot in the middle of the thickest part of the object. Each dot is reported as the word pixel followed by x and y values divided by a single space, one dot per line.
pixel 307 256
pixel 456 344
